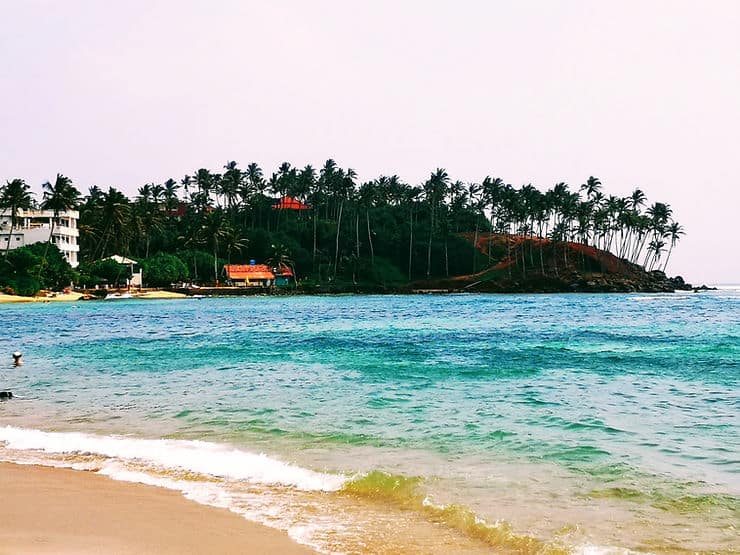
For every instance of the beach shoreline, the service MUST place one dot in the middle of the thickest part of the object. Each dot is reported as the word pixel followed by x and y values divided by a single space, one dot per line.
pixel 57 510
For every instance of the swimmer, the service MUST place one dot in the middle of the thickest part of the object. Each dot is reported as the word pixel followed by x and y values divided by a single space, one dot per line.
pixel 17 358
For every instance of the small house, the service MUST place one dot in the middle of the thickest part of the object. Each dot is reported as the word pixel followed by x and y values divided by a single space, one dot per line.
pixel 284 276
pixel 135 276
pixel 249 275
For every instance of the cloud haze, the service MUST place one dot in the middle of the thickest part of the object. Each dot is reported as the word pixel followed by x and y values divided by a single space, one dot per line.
pixel 640 94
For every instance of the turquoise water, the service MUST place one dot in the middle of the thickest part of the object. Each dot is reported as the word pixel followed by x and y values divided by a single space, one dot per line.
pixel 582 421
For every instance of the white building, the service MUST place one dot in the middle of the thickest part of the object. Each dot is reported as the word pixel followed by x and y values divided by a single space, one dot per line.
pixel 34 226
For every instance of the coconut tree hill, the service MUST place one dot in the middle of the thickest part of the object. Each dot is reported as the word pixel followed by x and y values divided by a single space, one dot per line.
pixel 338 234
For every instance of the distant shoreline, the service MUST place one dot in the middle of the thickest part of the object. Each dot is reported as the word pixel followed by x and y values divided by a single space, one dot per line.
pixel 222 292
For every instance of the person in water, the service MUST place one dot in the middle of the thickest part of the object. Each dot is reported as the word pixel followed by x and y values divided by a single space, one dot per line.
pixel 17 358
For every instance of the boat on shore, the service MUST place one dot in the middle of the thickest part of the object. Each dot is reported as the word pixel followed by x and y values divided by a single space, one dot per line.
pixel 118 296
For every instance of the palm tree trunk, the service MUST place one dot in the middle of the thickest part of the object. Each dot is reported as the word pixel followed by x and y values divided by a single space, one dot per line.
pixel 336 247
pixel 357 233
pixel 10 236
pixel 475 245
pixel 370 238
pixel 315 216
pixel 215 261
pixel 46 249
pixel 411 239
pixel 668 257
pixel 429 245
pixel 447 261
pixel 542 262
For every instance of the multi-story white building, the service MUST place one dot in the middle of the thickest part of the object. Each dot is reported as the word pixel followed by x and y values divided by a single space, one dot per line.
pixel 34 226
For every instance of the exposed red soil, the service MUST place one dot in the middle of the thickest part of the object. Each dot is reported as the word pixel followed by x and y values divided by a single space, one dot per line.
pixel 607 261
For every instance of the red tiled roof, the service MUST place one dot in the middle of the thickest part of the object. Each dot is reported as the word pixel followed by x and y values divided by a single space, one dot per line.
pixel 248 271
pixel 289 203
pixel 285 271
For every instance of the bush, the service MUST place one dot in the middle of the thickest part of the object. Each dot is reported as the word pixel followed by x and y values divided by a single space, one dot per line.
pixel 164 269
pixel 28 269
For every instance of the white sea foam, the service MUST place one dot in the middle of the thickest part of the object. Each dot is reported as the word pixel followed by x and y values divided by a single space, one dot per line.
pixel 605 550
pixel 194 456
pixel 662 297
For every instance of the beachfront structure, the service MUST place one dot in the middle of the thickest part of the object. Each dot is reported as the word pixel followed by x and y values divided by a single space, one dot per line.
pixel 135 276
pixel 35 226
pixel 258 275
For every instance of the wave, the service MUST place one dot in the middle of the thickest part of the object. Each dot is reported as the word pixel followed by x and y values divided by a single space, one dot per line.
pixel 404 493
pixel 326 511
pixel 204 458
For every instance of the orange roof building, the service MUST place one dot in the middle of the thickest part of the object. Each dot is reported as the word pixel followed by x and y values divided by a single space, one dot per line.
pixel 289 203
pixel 257 274
pixel 251 272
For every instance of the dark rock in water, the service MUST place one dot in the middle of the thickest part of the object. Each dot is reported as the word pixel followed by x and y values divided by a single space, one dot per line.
pixel 6 394
pixel 703 288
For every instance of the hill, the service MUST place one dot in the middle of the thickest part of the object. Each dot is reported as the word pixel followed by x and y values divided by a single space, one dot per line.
pixel 521 263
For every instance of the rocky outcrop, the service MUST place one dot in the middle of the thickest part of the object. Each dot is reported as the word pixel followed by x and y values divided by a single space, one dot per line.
pixel 541 266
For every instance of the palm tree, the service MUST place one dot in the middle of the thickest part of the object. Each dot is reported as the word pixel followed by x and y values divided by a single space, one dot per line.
pixel 281 256
pixel 344 187
pixel 591 187
pixel 231 185
pixel 148 219
pixel 60 197
pixel 435 190
pixel 170 194
pixel 366 197
pixel 674 232
pixel 114 217
pixel 15 196
pixel 233 242
pixel 213 230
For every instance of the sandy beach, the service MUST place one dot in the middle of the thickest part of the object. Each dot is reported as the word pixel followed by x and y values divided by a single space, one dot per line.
pixel 51 510
pixel 15 299
pixel 55 298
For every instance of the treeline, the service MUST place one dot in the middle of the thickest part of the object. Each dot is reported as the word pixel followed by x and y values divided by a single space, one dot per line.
pixel 382 231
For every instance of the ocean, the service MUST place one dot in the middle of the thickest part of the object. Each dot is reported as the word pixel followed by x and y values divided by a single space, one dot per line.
pixel 591 424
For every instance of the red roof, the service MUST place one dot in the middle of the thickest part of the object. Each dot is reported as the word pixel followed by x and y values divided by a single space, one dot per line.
pixel 248 271
pixel 289 203
pixel 285 271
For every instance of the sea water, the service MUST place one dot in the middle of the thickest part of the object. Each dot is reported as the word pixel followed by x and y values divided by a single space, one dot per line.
pixel 402 424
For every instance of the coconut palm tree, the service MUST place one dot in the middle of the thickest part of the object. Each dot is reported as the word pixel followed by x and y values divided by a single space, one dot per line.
pixel 115 212
pixel 60 197
pixel 281 256
pixel 435 190
pixel 212 231
pixel 674 232
pixel 15 196
pixel 170 194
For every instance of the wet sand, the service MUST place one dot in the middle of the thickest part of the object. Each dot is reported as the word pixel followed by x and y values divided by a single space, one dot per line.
pixel 51 510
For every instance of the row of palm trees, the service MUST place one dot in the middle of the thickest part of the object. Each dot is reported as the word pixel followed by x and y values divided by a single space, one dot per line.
pixel 350 223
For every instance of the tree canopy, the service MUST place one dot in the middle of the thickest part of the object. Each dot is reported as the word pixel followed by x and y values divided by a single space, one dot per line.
pixel 344 230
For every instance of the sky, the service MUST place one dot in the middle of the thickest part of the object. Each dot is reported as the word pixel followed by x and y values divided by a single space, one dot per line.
pixel 638 93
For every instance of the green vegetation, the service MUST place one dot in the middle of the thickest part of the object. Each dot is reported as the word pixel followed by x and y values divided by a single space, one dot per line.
pixel 26 270
pixel 382 232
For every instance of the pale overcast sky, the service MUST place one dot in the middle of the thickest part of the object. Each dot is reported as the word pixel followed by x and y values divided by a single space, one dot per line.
pixel 639 93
